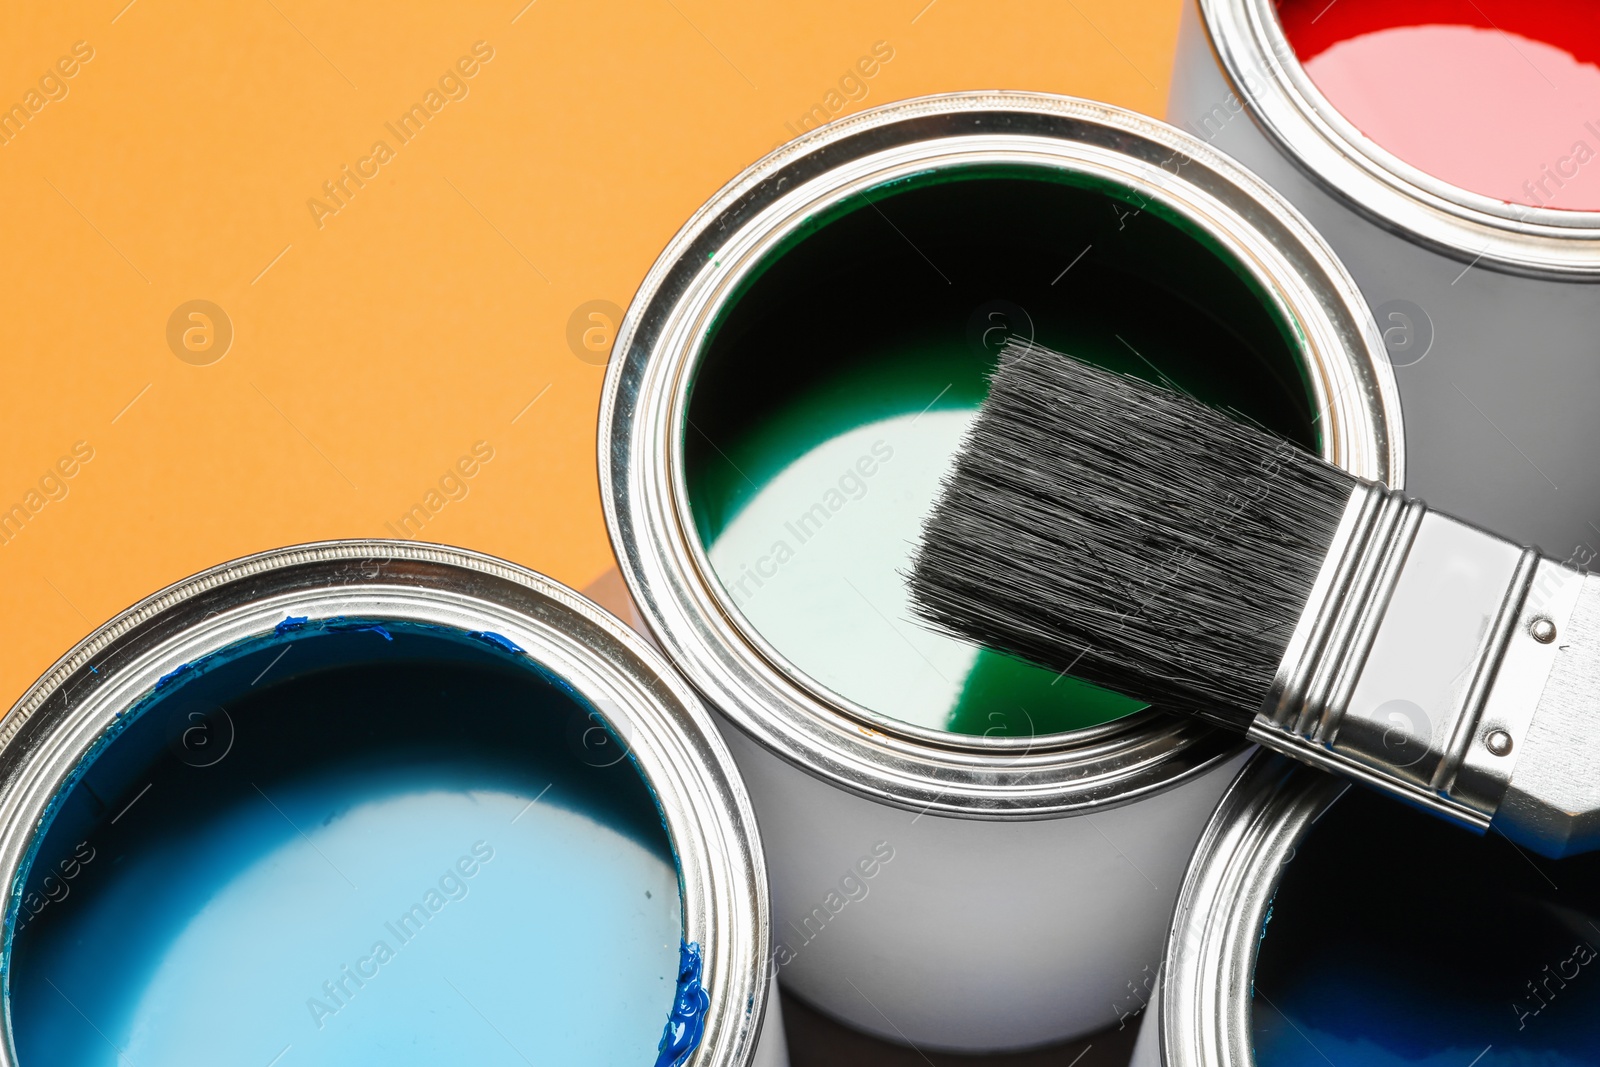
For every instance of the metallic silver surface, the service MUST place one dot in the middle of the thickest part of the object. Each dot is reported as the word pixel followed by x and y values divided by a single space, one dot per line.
pixel 1204 1014
pixel 661 341
pixel 1519 687
pixel 1415 688
pixel 1249 42
pixel 1424 666
pixel 677 748
pixel 1552 802
pixel 1336 630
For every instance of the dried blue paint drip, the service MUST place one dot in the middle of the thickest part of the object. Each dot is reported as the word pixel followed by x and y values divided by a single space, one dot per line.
pixel 290 623
pixel 687 1023
pixel 489 637
pixel 170 675
pixel 341 625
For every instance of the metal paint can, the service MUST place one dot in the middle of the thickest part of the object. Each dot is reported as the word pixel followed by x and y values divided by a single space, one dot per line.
pixel 76 747
pixel 1489 308
pixel 1198 1008
pixel 960 888
pixel 1320 922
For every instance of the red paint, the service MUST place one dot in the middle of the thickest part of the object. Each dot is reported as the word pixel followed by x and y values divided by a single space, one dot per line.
pixel 1500 97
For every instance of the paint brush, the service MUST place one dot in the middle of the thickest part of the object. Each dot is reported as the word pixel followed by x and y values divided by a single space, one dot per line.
pixel 1100 525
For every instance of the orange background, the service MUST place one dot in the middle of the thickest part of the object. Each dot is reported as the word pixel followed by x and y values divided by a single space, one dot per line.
pixel 373 351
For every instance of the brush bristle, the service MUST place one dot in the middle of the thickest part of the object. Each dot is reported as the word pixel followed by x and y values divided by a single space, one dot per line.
pixel 1105 527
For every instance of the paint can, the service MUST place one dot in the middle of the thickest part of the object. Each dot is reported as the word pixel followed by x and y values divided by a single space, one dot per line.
pixel 965 852
pixel 340 801
pixel 1320 922
pixel 1371 119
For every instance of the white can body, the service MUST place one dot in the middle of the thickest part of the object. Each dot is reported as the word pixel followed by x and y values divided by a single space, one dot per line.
pixel 772 1047
pixel 1498 363
pixel 970 934
pixel 1147 1049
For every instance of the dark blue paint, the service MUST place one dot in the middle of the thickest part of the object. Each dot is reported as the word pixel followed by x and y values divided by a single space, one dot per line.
pixel 340 624
pixel 1397 940
pixel 176 672
pixel 687 1023
pixel 505 644
pixel 290 624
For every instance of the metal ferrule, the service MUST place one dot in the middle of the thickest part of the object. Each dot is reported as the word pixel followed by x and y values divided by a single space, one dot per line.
pixel 1420 666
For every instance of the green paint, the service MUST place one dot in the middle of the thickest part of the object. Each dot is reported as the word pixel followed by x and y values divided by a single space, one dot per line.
pixel 898 383
pixel 836 389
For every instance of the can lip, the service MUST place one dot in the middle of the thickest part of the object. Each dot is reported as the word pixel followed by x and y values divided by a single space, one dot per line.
pixel 722 869
pixel 1265 74
pixel 1215 935
pixel 661 338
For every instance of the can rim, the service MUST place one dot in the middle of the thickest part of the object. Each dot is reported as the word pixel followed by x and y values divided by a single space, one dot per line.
pixel 676 746
pixel 1215 934
pixel 660 340
pixel 1264 72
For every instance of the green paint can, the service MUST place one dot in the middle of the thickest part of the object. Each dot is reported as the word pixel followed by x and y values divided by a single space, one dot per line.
pixel 785 395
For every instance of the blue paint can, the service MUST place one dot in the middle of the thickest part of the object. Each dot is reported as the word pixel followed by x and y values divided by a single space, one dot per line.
pixel 1319 922
pixel 375 802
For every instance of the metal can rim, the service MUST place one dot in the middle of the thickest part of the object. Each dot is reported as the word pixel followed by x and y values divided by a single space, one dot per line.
pixel 722 869
pixel 1215 934
pixel 658 343
pixel 1266 76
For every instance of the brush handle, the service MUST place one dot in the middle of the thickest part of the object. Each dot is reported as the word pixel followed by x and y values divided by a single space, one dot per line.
pixel 1449 667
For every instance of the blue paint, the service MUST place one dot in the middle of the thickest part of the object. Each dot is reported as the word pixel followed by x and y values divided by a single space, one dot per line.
pixel 505 644
pixel 290 624
pixel 340 624
pixel 401 859
pixel 1397 940
pixel 687 1023
pixel 176 672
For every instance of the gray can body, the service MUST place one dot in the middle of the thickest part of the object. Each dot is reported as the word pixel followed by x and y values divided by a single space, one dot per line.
pixel 1490 311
